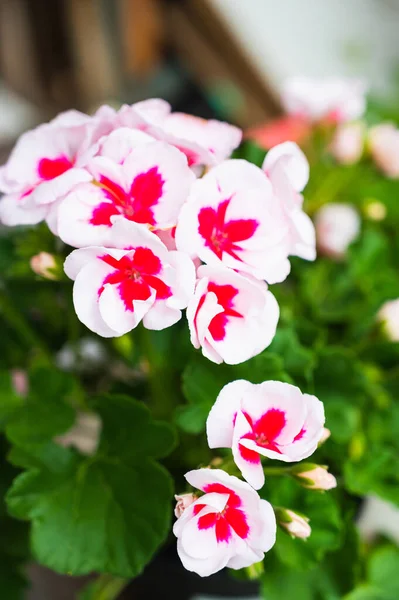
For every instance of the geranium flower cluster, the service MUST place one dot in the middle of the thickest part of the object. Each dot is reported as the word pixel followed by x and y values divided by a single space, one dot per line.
pixel 226 523
pixel 147 196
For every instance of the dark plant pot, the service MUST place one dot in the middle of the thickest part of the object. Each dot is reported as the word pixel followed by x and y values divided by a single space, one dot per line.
pixel 164 577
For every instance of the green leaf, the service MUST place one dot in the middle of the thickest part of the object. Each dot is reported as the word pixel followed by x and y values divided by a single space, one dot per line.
pixel 203 380
pixel 108 513
pixel 9 399
pixel 382 581
pixel 298 360
pixel 47 407
pixel 375 473
pixel 325 520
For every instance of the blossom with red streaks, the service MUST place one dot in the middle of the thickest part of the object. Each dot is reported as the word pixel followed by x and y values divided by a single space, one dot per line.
pixel 231 217
pixel 272 419
pixel 135 279
pixel 228 526
pixel 231 317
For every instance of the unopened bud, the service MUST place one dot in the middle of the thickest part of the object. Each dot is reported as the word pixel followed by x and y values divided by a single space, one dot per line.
pixel 375 210
pixel 314 477
pixel 43 264
pixel 388 315
pixel 347 145
pixel 293 523
pixel 337 226
pixel 182 502
pixel 324 436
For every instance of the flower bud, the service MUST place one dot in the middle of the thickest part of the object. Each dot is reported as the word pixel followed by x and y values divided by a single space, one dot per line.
pixel 20 382
pixel 348 143
pixel 183 502
pixel 384 148
pixel 337 226
pixel 43 264
pixel 375 210
pixel 324 436
pixel 388 315
pixel 296 525
pixel 314 477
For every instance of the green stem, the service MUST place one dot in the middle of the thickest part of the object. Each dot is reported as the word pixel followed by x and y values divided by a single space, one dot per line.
pixel 106 587
pixel 20 325
pixel 277 470
pixel 162 386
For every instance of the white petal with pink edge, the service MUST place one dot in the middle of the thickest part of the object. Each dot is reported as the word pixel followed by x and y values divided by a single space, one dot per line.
pixel 230 316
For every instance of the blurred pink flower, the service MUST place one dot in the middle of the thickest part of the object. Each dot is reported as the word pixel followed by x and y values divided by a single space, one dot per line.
pixel 290 128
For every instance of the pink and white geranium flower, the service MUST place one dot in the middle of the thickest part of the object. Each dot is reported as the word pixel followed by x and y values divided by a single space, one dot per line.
pixel 46 164
pixel 136 279
pixel 288 170
pixel 149 187
pixel 204 142
pixel 337 99
pixel 272 419
pixel 231 217
pixel 231 317
pixel 229 526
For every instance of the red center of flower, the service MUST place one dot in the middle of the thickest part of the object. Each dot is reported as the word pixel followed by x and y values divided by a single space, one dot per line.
pixel 222 236
pixel 264 432
pixel 136 277
pixel 50 168
pixel 231 517
pixel 225 295
pixel 136 205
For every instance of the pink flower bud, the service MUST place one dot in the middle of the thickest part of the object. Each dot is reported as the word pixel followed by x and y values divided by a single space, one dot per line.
pixel 324 436
pixel 316 478
pixel 20 382
pixel 348 142
pixel 42 264
pixel 388 315
pixel 337 226
pixel 183 502
pixel 296 525
pixel 384 148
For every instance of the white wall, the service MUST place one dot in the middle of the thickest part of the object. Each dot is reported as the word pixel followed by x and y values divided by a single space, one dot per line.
pixel 317 37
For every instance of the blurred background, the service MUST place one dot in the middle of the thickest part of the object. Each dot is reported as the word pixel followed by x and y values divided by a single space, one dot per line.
pixel 224 58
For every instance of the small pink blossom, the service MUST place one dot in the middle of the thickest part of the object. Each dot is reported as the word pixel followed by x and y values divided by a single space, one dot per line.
pixel 315 477
pixel 296 525
pixel 43 264
pixel 136 279
pixel 325 436
pixel 337 99
pixel 229 526
pixel 231 217
pixel 231 317
pixel 337 226
pixel 384 148
pixel 348 143
pixel 388 315
pixel 272 419
pixel 290 128
pixel 20 382
pixel 288 171
pixel 144 181
pixel 182 502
